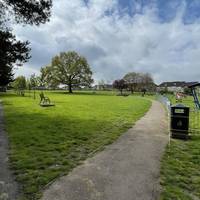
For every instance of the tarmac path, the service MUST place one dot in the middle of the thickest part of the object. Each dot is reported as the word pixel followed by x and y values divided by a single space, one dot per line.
pixel 8 185
pixel 128 169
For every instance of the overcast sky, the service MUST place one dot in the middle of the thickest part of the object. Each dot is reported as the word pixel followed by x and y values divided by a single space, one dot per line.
pixel 161 37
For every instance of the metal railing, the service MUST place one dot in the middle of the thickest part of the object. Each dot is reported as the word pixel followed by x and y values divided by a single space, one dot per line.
pixel 194 118
pixel 167 104
pixel 194 124
pixel 165 101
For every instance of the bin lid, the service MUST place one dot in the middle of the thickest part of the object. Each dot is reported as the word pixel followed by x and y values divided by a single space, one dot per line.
pixel 179 106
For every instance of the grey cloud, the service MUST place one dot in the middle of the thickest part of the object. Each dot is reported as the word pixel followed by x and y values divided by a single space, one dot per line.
pixel 115 44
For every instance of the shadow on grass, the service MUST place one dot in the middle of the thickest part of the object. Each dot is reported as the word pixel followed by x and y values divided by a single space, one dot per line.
pixel 6 94
pixel 44 147
pixel 100 93
pixel 13 95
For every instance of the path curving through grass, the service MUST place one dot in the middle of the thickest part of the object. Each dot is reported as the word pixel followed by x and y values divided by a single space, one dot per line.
pixel 127 169
pixel 48 142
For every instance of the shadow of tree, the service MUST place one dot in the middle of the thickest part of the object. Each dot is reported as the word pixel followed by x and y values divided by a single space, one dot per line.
pixel 44 147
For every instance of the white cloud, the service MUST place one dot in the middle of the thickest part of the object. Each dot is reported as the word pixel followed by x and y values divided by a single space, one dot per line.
pixel 116 44
pixel 26 71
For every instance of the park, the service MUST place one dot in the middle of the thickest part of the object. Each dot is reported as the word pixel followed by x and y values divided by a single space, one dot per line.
pixel 48 142
pixel 90 105
pixel 51 141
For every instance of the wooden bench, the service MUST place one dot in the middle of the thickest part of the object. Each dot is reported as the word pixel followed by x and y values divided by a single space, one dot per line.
pixel 45 101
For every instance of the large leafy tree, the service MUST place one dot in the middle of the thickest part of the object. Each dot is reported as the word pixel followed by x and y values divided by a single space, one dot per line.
pixel 131 80
pixel 138 81
pixel 35 82
pixel 71 69
pixel 47 77
pixel 120 85
pixel 13 51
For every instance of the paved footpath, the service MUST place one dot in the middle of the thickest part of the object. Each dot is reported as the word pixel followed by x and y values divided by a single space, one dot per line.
pixel 8 187
pixel 128 169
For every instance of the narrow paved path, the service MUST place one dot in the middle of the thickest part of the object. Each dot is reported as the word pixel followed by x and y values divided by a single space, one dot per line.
pixel 128 169
pixel 8 187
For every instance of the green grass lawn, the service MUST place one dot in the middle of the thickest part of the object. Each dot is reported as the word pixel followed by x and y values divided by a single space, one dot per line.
pixel 180 171
pixel 48 142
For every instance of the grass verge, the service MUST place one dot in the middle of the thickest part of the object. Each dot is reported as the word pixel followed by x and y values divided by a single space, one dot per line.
pixel 48 142
pixel 180 171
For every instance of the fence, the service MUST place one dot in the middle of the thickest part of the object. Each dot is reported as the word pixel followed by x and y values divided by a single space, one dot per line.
pixel 194 121
pixel 165 101
pixel 167 104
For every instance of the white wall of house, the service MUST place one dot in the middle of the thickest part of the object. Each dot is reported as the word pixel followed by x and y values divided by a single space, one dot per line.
pixel 175 89
pixel 171 89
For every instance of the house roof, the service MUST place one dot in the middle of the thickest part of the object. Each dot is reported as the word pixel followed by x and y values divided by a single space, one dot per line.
pixel 178 84
pixel 173 84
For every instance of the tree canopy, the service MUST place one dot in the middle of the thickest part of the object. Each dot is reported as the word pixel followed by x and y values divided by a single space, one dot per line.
pixel 12 51
pixel 19 85
pixel 120 85
pixel 47 77
pixel 27 12
pixel 131 80
pixel 138 81
pixel 69 68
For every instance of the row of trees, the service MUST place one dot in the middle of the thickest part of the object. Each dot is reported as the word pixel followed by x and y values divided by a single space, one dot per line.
pixel 135 82
pixel 68 68
pixel 20 84
pixel 73 70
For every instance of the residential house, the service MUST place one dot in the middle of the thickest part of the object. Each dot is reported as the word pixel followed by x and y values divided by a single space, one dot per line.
pixel 175 86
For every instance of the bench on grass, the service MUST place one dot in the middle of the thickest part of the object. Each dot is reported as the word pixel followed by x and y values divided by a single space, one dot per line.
pixel 45 101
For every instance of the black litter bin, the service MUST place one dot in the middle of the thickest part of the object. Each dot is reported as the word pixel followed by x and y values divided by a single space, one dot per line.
pixel 180 121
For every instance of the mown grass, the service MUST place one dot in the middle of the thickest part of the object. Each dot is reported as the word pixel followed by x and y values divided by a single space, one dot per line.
pixel 48 142
pixel 180 170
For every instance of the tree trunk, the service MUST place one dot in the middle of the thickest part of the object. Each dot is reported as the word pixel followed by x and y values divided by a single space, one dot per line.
pixel 34 93
pixel 70 88
pixel 132 90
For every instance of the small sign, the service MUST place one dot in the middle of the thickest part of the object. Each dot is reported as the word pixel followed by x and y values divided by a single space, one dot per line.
pixel 179 111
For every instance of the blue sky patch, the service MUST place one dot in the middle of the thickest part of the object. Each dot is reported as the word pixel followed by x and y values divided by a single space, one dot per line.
pixel 166 9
